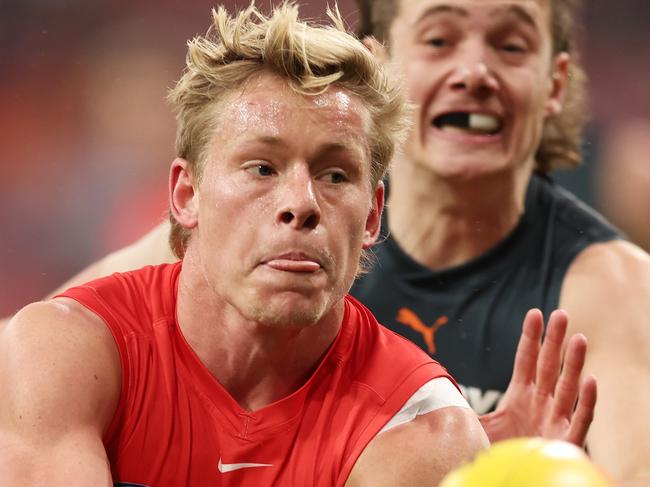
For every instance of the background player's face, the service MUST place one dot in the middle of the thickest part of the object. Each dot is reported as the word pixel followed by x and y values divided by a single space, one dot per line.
pixel 482 74
pixel 285 202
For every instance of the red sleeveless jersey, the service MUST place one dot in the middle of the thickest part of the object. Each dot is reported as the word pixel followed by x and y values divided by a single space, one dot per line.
pixel 176 425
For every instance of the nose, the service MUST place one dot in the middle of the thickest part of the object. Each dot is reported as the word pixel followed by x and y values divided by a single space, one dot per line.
pixel 473 73
pixel 299 206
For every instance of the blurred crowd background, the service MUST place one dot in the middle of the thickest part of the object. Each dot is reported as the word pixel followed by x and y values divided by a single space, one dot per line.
pixel 86 136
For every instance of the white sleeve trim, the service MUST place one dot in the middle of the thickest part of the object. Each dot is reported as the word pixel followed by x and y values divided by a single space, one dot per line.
pixel 438 393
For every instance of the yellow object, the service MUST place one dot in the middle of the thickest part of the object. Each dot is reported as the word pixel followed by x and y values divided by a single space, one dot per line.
pixel 528 462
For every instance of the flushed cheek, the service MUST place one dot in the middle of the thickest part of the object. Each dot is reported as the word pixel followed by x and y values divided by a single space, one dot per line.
pixel 355 235
pixel 418 82
pixel 232 221
pixel 531 117
pixel 234 200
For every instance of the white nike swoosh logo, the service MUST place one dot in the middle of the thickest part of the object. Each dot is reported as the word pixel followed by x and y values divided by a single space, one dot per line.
pixel 230 467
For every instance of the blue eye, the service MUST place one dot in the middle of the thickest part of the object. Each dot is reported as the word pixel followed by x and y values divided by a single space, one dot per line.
pixel 338 177
pixel 263 170
pixel 334 177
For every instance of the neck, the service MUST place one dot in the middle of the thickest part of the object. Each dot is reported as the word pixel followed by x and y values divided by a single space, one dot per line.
pixel 255 363
pixel 442 222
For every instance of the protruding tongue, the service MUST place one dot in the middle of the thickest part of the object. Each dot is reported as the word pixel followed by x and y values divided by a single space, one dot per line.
pixel 477 123
pixel 290 265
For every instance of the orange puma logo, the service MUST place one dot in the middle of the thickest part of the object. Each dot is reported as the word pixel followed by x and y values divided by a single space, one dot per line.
pixel 410 319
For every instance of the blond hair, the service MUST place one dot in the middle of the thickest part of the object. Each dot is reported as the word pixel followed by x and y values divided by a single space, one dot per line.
pixel 561 142
pixel 310 57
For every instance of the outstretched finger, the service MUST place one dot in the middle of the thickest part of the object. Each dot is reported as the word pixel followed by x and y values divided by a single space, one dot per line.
pixel 568 385
pixel 584 412
pixel 550 356
pixel 528 348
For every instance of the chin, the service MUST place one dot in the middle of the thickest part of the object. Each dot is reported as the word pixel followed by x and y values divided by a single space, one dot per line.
pixel 464 173
pixel 462 169
pixel 461 162
pixel 287 312
pixel 297 319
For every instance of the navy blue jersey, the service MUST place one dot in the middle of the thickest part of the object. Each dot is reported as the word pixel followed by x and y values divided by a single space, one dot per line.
pixel 469 317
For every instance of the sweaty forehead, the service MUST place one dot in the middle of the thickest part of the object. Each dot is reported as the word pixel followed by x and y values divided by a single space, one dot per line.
pixel 269 105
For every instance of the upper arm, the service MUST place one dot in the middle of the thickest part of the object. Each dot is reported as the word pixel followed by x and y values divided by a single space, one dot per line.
pixel 606 294
pixel 60 382
pixel 420 452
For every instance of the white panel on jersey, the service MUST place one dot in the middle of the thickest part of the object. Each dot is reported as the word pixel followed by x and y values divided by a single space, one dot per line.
pixel 438 393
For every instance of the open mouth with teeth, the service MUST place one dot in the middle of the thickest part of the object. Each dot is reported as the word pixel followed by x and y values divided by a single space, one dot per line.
pixel 469 123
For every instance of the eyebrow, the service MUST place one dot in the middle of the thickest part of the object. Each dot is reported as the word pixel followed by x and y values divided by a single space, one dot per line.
pixel 517 11
pixel 441 9
pixel 267 140
pixel 337 148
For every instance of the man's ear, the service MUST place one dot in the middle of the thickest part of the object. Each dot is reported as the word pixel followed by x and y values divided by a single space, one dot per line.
pixel 373 222
pixel 559 82
pixel 376 48
pixel 183 196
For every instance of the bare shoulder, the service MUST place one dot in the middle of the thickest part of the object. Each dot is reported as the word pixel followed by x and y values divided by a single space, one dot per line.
pixel 60 380
pixel 613 260
pixel 421 451
pixel 606 294
pixel 606 281
pixel 57 359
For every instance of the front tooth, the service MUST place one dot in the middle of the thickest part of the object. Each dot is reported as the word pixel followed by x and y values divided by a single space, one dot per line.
pixel 481 121
pixel 452 128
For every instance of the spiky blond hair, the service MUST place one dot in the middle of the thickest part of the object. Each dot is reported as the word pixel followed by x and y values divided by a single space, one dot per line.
pixel 309 57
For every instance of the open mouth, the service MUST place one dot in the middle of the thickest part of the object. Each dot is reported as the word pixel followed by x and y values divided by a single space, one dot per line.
pixel 468 123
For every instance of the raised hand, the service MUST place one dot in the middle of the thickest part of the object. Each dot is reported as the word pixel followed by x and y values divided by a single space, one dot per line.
pixel 541 397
